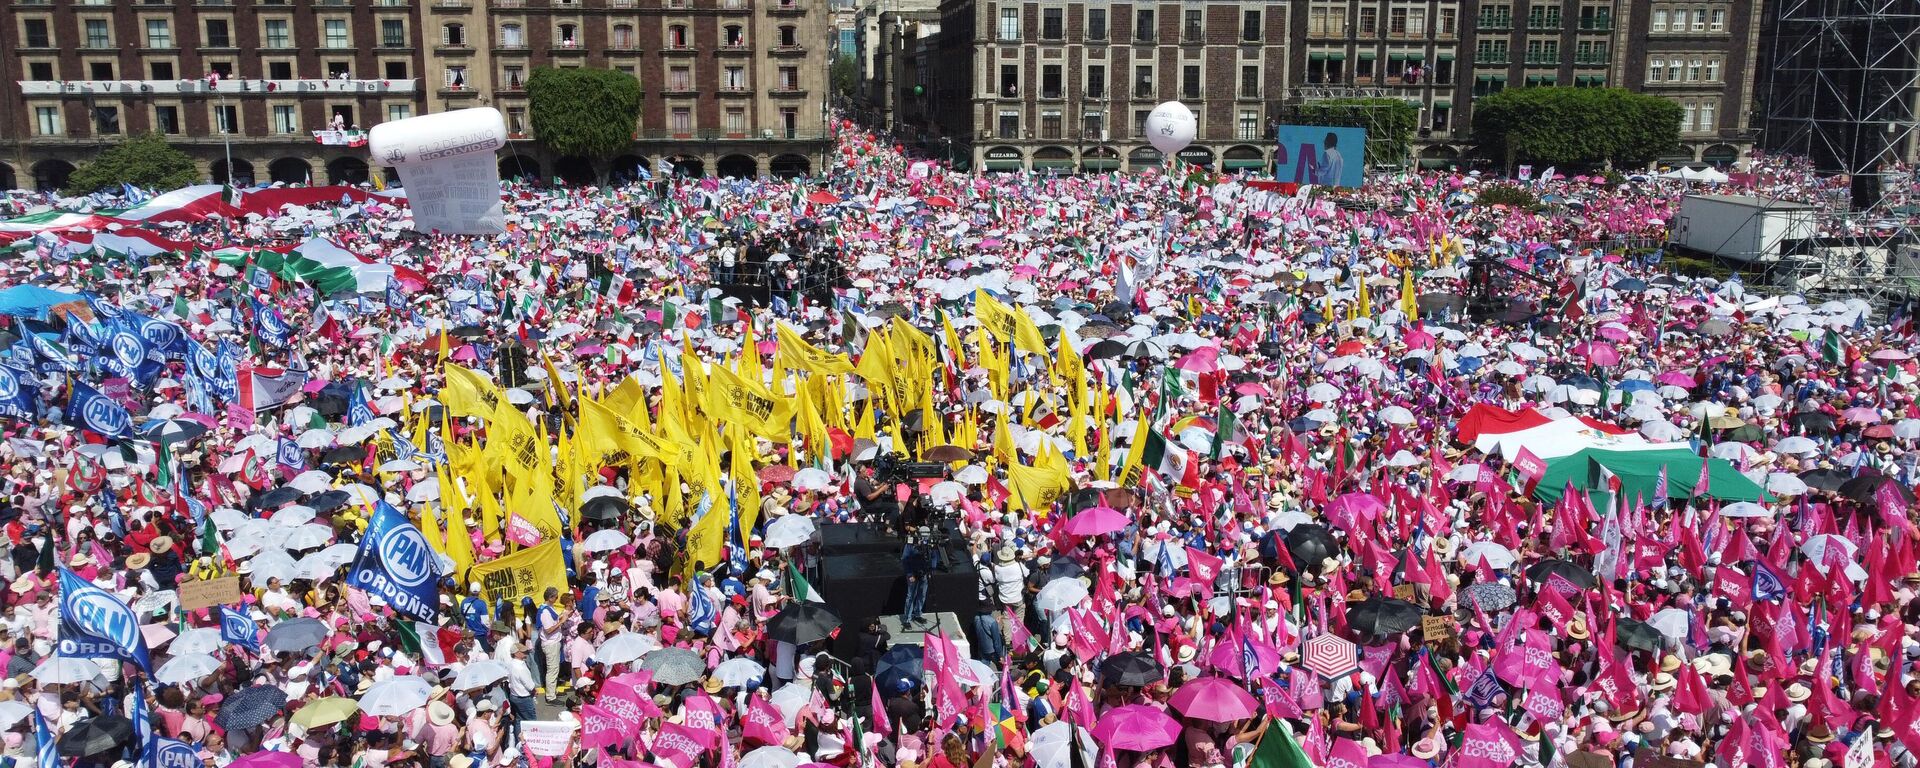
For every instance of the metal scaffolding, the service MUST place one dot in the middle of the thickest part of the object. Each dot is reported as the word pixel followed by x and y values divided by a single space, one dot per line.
pixel 1841 92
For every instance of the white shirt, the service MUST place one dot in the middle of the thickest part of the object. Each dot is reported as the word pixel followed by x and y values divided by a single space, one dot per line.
pixel 519 678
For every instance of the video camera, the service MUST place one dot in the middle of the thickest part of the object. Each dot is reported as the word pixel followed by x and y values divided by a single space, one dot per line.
pixel 895 468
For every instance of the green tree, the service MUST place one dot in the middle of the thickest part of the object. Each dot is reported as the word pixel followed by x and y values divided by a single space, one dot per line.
pixel 841 74
pixel 1575 127
pixel 1390 124
pixel 582 111
pixel 147 161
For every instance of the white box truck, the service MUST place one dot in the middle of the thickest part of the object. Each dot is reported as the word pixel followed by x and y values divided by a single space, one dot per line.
pixel 1742 228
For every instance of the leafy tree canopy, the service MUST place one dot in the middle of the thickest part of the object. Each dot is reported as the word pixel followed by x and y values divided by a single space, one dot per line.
pixel 582 111
pixel 1575 127
pixel 146 161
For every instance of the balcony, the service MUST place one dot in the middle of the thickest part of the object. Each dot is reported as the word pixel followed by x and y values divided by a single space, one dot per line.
pixel 566 50
pixel 788 93
pixel 506 3
pixel 1589 24
pixel 735 91
pixel 787 8
pixel 721 134
pixel 1496 22
pixel 1590 60
pixel 201 87
pixel 734 49
pixel 788 50
pixel 453 50
pixel 678 50
pixel 1543 22
pixel 458 92
pixel 1491 57
pixel 1143 92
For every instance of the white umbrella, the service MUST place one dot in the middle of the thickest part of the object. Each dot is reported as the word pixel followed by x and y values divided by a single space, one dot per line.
pixel 971 474
pixel 1394 414
pixel 1745 509
pixel 479 674
pixel 360 493
pixel 738 671
pixel 789 531
pixel 311 481
pixel 1060 594
pixel 298 514
pixel 1907 429
pixel 314 439
pixel 396 696
pixel 1672 622
pixel 602 490
pixel 624 647
pixel 1495 554
pixel 1323 393
pixel 946 492
pixel 811 479
pixel 308 537
pixel 183 669
pixel 769 757
pixel 790 699
pixel 197 640
pixel 1796 445
pixel 425 490
pixel 604 541
pixel 1785 484
pixel 1049 746
pixel 274 564
pixel 62 670
pixel 12 712
pixel 1464 473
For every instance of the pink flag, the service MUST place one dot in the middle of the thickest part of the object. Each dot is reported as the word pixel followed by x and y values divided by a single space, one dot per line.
pixel 1347 753
pixel 703 716
pixel 1545 706
pixel 941 655
pixel 948 702
pixel 1079 705
pixel 1488 745
pixel 764 723
pixel 678 745
pixel 600 727
pixel 624 701
pixel 880 723
pixel 1205 567
pixel 1021 638
pixel 1278 703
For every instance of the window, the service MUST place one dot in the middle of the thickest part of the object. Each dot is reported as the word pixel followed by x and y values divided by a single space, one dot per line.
pixel 225 117
pixel 1096 23
pixel 1053 23
pixel 1363 69
pixel 1719 22
pixel 1369 21
pixel 394 70
pixel 1417 22
pixel 1543 17
pixel 1249 82
pixel 789 78
pixel 511 36
pixel 1699 19
pixel 789 37
pixel 43 70
pixel 47 120
pixel 1706 117
pixel 1250 26
pixel 393 33
pixel 677 36
pixel 159 70
pixel 1397 21
pixel 277 36
pixel 1050 81
pixel 1686 117
pixel 1694 69
pixel 516 120
pixel 166 119
pixel 36 33
pixel 159 34
pixel 1442 72
pixel 735 79
pixel 1093 122
pixel 514 75
pixel 1543 51
pixel 285 119
pixel 1140 121
pixel 680 79
pixel 1484 85
pixel 623 36
pixel 1713 70
pixel 736 121
pixel 1441 112
pixel 404 111
pixel 1447 23
pixel 279 70
pixel 1009 80
pixel 1009 124
pixel 1249 125
pixel 335 70
pixel 1327 21
pixel 1488 51
pixel 1143 29
pixel 733 36
pixel 1679 20
pixel 1009 24
pixel 1193 27
pixel 100 70
pixel 97 36
pixel 1190 81
pixel 1143 82
pixel 337 33
pixel 453 35
pixel 1050 124
pixel 681 120
pixel 1096 81
pixel 455 77
pixel 790 121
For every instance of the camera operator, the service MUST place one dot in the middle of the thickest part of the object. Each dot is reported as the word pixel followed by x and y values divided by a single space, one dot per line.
pixel 876 497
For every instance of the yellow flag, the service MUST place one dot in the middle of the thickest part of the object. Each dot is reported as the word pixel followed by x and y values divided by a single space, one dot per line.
pixel 469 394
pixel 876 368
pixel 1007 324
pixel 748 404
pixel 746 485
pixel 952 340
pixel 459 541
pixel 524 574
pixel 750 356
pixel 1409 304
pixel 708 535
pixel 1136 451
pixel 490 514
pixel 430 526
pixel 1103 460
pixel 799 352
pixel 1366 299
pixel 626 397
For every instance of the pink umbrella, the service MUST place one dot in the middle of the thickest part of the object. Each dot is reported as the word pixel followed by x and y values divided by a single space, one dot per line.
pixel 1349 509
pixel 1614 332
pixel 1202 360
pixel 268 759
pixel 1095 521
pixel 1230 658
pixel 1861 415
pixel 1136 728
pixel 1679 379
pixel 1598 352
pixel 1419 340
pixel 1214 699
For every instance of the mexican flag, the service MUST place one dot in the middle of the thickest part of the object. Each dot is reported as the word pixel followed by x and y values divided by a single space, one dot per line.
pixel 322 264
pixel 28 226
pixel 1165 457
pixel 1833 349
pixel 193 203
pixel 126 243
pixel 801 589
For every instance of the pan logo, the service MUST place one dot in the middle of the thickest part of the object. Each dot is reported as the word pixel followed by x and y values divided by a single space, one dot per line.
pixel 175 754
pixel 160 335
pixel 128 350
pixel 405 556
pixel 100 615
pixel 9 385
pixel 104 417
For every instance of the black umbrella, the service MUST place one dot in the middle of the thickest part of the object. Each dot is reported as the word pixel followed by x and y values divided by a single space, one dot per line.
pixel 1105 348
pixel 250 707
pixel 1539 572
pixel 947 453
pixel 1435 302
pixel 1309 544
pixel 285 494
pixel 1490 596
pixel 1060 569
pixel 1132 668
pixel 96 735
pixel 346 454
pixel 900 663
pixel 1632 633
pixel 802 622
pixel 1825 479
pixel 1382 616
pixel 1629 285
pixel 1862 489
pixel 1812 423
pixel 331 406
pixel 296 635
pixel 1745 433
pixel 468 332
pixel 329 501
pixel 604 509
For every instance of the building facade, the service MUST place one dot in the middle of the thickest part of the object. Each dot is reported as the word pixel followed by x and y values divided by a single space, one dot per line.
pixel 885 32
pixel 1060 84
pixel 732 87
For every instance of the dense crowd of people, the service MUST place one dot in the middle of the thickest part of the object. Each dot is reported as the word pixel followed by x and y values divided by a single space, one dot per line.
pixel 1243 474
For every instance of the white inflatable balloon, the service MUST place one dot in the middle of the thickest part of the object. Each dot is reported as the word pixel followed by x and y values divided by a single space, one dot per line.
pixel 447 167
pixel 1170 127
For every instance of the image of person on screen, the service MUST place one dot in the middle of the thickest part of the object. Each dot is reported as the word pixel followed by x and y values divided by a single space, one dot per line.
pixel 1328 172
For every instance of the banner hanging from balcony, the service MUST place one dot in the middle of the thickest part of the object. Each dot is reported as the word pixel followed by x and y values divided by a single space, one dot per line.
pixel 341 138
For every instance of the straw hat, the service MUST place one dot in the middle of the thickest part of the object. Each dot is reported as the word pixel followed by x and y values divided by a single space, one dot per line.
pixel 1662 681
pixel 1577 629
pixel 712 685
pixel 439 713
pixel 161 544
pixel 138 560
pixel 1005 555
pixel 1669 663
pixel 1426 749
pixel 1798 692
